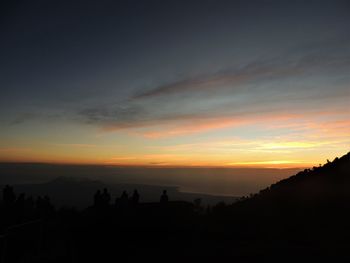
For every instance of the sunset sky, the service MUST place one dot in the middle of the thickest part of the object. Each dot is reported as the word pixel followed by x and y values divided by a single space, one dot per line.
pixel 175 83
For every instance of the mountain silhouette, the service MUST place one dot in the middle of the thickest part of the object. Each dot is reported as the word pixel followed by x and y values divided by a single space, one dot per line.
pixel 326 185
pixel 304 217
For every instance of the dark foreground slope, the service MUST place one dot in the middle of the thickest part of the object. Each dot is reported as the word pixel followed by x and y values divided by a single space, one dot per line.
pixel 307 213
pixel 303 218
pixel 321 190
pixel 327 184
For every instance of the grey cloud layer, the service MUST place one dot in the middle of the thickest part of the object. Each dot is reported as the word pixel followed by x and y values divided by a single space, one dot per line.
pixel 266 84
pixel 263 85
pixel 276 68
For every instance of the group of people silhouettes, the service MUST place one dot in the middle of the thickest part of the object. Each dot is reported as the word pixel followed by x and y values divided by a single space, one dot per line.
pixel 25 207
pixel 21 207
pixel 124 199
pixel 103 198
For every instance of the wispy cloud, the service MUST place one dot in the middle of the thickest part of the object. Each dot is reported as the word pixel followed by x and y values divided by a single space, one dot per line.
pixel 14 150
pixel 75 145
pixel 231 97
pixel 206 124
pixel 279 67
pixel 271 164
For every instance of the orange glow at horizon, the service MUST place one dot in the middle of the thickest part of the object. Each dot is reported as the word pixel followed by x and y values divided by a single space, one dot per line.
pixel 301 141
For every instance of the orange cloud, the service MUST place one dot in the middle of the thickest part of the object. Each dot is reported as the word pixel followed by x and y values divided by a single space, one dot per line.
pixel 195 126
pixel 208 124
pixel 272 164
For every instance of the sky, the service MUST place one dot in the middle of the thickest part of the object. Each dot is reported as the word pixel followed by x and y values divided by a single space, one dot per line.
pixel 175 83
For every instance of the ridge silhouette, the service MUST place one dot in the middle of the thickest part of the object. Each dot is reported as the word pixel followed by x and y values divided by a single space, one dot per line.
pixel 319 185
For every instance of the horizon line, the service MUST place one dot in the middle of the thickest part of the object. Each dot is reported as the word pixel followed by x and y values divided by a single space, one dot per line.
pixel 160 166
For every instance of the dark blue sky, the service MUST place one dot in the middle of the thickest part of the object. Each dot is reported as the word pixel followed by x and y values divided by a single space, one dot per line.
pixel 155 68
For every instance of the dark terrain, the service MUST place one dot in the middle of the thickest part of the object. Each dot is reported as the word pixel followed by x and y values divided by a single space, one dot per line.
pixel 303 218
pixel 78 193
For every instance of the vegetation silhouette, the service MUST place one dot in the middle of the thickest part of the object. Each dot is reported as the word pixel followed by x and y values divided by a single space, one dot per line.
pixel 304 217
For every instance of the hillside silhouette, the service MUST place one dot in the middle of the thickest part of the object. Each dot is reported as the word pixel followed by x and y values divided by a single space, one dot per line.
pixel 327 184
pixel 304 217
pixel 308 213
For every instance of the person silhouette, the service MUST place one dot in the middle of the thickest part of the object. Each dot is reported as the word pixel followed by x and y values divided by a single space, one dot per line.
pixel 124 195
pixel 164 197
pixel 124 199
pixel 29 206
pixel 97 198
pixel 20 202
pixel 38 202
pixel 48 208
pixel 8 196
pixel 106 197
pixel 135 197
